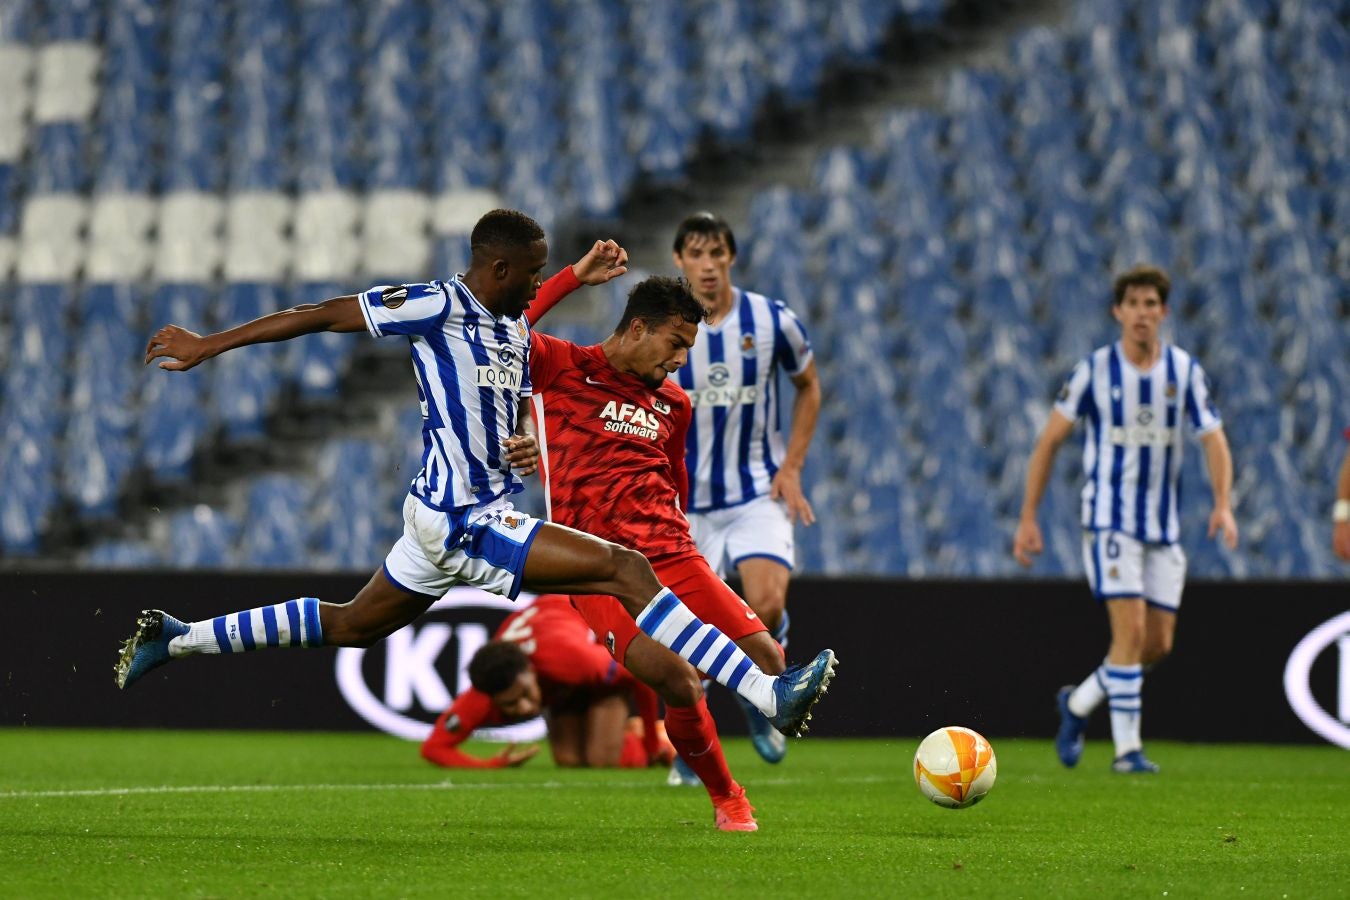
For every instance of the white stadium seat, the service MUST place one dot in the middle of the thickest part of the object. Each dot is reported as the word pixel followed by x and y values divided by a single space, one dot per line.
pixel 50 246
pixel 67 85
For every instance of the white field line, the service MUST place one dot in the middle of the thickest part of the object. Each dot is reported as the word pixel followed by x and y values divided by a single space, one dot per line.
pixel 434 786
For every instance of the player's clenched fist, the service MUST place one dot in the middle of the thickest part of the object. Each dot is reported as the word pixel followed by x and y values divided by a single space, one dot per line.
pixel 522 452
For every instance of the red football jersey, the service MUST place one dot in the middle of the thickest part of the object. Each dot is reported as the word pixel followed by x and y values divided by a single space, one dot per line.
pixel 564 657
pixel 611 449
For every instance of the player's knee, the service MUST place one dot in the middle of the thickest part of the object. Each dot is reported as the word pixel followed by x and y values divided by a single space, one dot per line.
pixel 683 689
pixel 567 759
pixel 629 568
pixel 603 757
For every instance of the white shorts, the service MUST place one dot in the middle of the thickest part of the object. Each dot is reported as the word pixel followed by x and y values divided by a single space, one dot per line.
pixel 758 529
pixel 482 546
pixel 1121 566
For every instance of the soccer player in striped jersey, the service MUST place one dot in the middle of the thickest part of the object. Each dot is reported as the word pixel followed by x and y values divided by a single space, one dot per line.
pixel 1138 396
pixel 470 345
pixel 544 659
pixel 745 486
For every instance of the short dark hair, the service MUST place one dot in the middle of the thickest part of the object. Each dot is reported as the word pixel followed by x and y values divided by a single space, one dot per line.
pixel 708 225
pixel 658 299
pixel 505 228
pixel 1141 276
pixel 496 666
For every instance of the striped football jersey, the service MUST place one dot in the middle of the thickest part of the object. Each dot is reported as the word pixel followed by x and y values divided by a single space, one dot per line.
pixel 735 443
pixel 471 370
pixel 1133 444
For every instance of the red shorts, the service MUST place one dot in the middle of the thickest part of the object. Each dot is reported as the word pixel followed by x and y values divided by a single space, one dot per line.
pixel 694 582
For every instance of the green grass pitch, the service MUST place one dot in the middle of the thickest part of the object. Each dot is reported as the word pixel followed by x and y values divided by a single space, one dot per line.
pixel 207 814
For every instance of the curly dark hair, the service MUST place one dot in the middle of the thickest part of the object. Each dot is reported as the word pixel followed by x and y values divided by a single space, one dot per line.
pixel 504 228
pixel 496 666
pixel 658 299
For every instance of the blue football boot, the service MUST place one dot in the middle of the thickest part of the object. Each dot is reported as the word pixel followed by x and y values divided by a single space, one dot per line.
pixel 1134 763
pixel 682 776
pixel 769 743
pixel 148 648
pixel 798 689
pixel 1069 738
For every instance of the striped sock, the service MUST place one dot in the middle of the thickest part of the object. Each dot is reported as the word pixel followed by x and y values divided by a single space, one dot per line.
pixel 670 623
pixel 1090 694
pixel 1124 687
pixel 294 623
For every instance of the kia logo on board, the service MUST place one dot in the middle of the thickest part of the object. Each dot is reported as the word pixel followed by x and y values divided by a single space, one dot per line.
pixel 418 659
pixel 1298 676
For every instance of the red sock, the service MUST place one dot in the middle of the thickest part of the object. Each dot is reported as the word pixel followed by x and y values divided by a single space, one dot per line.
pixel 694 735
pixel 633 755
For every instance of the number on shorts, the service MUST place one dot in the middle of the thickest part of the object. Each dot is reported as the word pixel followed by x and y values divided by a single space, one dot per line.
pixel 1112 546
pixel 521 632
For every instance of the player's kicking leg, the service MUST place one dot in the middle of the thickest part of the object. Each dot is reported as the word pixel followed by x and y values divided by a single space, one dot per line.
pixel 377 611
pixel 565 561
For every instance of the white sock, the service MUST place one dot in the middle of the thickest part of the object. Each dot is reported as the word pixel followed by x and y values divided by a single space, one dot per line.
pixel 294 623
pixel 1124 690
pixel 670 623
pixel 1088 695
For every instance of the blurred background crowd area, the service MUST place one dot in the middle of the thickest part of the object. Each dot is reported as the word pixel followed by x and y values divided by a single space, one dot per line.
pixel 205 162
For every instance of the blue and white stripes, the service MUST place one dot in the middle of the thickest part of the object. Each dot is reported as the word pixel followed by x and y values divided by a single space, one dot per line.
pixel 294 623
pixel 1133 446
pixel 670 623
pixel 1124 685
pixel 734 445
pixel 471 373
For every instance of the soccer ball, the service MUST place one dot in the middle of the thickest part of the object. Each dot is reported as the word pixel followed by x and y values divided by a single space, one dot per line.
pixel 955 767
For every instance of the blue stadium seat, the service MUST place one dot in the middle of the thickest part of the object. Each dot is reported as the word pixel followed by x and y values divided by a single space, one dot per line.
pixel 201 537
pixel 276 536
pixel 121 554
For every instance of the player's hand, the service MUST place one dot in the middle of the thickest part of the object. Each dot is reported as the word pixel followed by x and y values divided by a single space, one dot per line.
pixel 522 452
pixel 1221 520
pixel 605 262
pixel 512 755
pixel 181 348
pixel 1027 541
pixel 1340 540
pixel 787 486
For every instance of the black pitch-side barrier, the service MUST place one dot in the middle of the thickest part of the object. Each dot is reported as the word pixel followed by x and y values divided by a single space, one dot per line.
pixel 915 655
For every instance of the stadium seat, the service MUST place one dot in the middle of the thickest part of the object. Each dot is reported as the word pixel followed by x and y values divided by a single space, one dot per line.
pixel 276 536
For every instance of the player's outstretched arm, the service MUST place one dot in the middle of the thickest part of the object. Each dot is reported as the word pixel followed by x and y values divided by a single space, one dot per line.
pixel 604 262
pixel 1027 540
pixel 1219 464
pixel 181 349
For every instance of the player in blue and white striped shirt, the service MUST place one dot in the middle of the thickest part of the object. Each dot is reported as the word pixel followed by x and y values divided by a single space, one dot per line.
pixel 470 348
pixel 745 489
pixel 1137 396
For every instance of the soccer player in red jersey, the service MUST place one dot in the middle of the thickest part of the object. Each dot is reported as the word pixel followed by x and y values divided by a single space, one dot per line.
pixel 611 433
pixel 543 659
